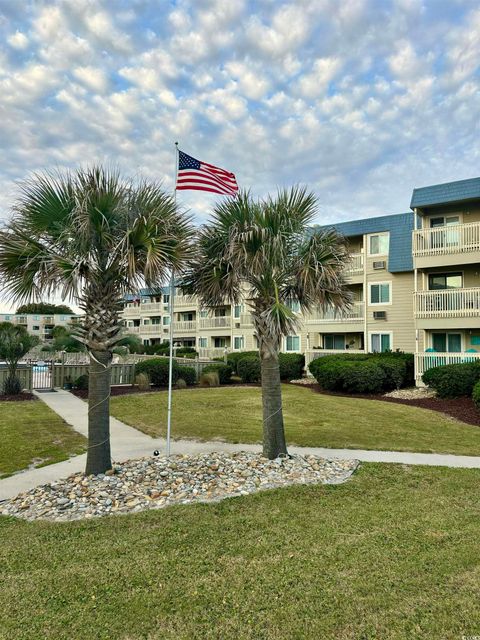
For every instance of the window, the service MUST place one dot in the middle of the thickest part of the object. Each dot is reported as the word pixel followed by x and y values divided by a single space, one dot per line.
pixel 378 244
pixel 220 313
pixel 292 343
pixel 36 317
pixel 334 341
pixel 7 318
pixel 187 317
pixel 156 320
pixel 447 342
pixel 220 343
pixel 63 318
pixel 203 313
pixel 203 343
pixel 237 310
pixel 35 328
pixel 146 321
pixel 293 305
pixel 380 342
pixel 166 298
pixel 166 321
pixel 445 281
pixel 238 342
pixel 380 293
pixel 444 221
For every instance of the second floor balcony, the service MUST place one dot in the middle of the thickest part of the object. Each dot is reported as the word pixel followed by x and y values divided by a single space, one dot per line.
pixel 354 314
pixel 451 244
pixel 355 267
pixel 448 303
pixel 220 322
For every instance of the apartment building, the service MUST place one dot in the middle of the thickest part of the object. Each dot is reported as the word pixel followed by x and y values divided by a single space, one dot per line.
pixel 446 260
pixel 415 279
pixel 40 325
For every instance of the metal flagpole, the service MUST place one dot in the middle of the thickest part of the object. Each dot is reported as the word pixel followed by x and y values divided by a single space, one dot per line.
pixel 172 296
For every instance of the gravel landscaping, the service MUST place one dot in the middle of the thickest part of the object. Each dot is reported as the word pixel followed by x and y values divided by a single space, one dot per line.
pixel 152 483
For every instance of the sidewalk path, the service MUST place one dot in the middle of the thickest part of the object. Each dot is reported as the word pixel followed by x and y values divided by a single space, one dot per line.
pixel 127 442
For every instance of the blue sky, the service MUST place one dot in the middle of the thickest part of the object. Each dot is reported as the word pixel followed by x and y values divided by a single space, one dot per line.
pixel 362 100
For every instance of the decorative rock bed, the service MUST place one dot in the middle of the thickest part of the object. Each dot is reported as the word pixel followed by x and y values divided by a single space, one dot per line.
pixel 153 483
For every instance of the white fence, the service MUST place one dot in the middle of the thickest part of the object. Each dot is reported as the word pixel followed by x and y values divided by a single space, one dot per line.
pixel 459 238
pixel 216 323
pixel 448 303
pixel 356 264
pixel 354 314
pixel 425 361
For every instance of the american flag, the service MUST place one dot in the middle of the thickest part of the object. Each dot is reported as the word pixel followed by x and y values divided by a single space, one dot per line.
pixel 201 176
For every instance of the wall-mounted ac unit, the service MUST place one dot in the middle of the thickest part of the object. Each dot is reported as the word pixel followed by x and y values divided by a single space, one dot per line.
pixel 380 264
pixel 237 325
pixel 379 315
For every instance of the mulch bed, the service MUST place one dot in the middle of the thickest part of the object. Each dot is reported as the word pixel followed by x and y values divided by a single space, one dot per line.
pixel 461 409
pixel 20 397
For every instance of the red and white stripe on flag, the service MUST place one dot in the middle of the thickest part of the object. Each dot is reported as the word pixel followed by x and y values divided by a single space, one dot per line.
pixel 201 176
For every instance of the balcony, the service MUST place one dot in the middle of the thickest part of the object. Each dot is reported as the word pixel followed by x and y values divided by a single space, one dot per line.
pixel 133 311
pixel 245 320
pixel 184 326
pixel 222 322
pixel 450 245
pixel 356 265
pixel 425 361
pixel 184 301
pixel 147 329
pixel 448 308
pixel 354 314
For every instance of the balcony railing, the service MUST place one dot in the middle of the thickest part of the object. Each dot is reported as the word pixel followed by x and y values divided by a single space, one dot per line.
pixel 356 264
pixel 354 314
pixel 147 329
pixel 425 361
pixel 448 303
pixel 245 320
pixel 458 238
pixel 209 353
pixel 185 325
pixel 185 301
pixel 222 322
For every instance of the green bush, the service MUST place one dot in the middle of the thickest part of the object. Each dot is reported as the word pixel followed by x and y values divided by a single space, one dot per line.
pixel 363 377
pixel 328 372
pixel 12 386
pixel 291 365
pixel 188 374
pixel 224 372
pixel 157 370
pixel 476 395
pixel 248 368
pixel 209 379
pixel 453 380
pixel 359 373
pixel 234 358
pixel 81 382
pixel 395 370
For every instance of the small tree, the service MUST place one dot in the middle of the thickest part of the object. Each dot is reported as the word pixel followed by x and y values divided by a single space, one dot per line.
pixel 45 308
pixel 65 340
pixel 15 342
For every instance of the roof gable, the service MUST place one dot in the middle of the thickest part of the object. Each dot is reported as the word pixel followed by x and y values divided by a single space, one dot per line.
pixel 446 193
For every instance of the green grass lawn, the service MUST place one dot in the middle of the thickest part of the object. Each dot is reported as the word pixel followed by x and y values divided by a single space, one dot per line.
pixel 31 433
pixel 311 419
pixel 392 554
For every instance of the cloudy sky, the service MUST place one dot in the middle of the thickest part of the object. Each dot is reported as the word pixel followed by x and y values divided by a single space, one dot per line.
pixel 361 99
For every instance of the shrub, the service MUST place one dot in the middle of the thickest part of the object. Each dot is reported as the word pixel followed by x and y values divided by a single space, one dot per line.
pixel 476 395
pixel 453 380
pixel 12 386
pixel 81 382
pixel 363 377
pixel 224 372
pixel 181 384
pixel 188 374
pixel 248 368
pixel 328 371
pixel 142 380
pixel 291 365
pixel 209 379
pixel 234 358
pixel 157 370
pixel 395 370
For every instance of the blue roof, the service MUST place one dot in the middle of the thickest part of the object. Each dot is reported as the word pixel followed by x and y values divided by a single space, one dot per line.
pixel 449 192
pixel 399 225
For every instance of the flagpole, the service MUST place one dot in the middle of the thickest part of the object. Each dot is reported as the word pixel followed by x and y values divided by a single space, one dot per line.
pixel 172 296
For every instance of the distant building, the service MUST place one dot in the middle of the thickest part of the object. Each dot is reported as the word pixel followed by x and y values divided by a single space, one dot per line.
pixel 40 325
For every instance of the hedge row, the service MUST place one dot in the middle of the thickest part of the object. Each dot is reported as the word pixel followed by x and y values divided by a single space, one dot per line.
pixel 476 395
pixel 453 380
pixel 363 373
pixel 157 371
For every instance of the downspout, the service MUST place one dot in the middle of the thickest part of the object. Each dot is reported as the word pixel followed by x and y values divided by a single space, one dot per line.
pixel 365 296
pixel 415 290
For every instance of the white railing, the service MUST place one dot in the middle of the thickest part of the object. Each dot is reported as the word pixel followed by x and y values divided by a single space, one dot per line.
pixel 184 301
pixel 354 314
pixel 425 361
pixel 185 325
pixel 356 264
pixel 148 329
pixel 245 319
pixel 216 323
pixel 448 303
pixel 312 354
pixel 133 311
pixel 211 352
pixel 458 238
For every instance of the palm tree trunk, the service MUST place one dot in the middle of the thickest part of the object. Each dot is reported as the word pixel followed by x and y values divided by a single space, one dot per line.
pixel 98 455
pixel 273 429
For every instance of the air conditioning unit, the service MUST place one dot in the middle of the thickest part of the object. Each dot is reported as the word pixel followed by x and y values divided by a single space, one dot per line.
pixel 237 325
pixel 379 315
pixel 380 264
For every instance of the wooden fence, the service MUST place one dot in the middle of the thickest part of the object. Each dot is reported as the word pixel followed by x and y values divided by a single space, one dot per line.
pixel 24 374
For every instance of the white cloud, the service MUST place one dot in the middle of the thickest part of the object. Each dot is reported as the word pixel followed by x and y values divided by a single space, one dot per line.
pixel 18 40
pixel 94 78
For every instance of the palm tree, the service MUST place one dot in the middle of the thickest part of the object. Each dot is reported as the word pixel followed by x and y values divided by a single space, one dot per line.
pixel 266 252
pixel 92 237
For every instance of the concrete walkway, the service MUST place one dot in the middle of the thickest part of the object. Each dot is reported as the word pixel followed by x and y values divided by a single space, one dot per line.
pixel 127 442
